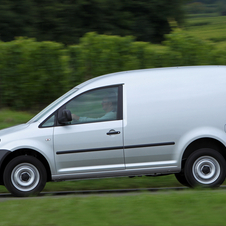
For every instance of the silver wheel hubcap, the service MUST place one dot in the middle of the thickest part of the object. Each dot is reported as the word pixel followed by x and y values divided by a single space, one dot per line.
pixel 25 177
pixel 206 170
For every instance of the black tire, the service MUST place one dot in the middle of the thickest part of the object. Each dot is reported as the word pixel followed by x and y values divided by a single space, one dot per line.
pixel 206 168
pixel 181 179
pixel 25 176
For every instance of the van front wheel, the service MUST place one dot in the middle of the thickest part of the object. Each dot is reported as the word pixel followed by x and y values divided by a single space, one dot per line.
pixel 205 167
pixel 24 176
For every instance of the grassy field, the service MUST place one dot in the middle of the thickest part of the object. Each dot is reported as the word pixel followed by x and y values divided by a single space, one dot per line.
pixel 210 28
pixel 10 118
pixel 110 183
pixel 193 208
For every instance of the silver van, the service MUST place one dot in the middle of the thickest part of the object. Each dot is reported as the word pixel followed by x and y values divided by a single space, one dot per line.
pixel 142 122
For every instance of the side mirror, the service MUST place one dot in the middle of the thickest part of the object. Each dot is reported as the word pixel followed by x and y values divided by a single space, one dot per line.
pixel 66 117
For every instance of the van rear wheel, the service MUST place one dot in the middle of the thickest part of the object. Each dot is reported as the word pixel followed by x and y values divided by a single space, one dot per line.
pixel 205 167
pixel 25 176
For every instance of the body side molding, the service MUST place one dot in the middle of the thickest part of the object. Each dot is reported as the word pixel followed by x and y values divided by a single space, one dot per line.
pixel 115 148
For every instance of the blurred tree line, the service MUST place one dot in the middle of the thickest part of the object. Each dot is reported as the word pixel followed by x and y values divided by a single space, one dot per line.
pixel 203 1
pixel 65 21
pixel 206 6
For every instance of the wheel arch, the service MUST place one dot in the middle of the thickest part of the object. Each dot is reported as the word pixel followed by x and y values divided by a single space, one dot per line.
pixel 203 143
pixel 25 151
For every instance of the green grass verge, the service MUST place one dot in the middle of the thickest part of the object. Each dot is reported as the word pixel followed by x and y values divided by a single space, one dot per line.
pixel 110 183
pixel 157 209
pixel 208 28
pixel 114 183
pixel 11 118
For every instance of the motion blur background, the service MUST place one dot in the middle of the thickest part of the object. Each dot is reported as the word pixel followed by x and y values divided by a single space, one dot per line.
pixel 48 47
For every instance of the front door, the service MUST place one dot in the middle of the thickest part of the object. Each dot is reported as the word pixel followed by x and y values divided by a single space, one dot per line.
pixel 93 141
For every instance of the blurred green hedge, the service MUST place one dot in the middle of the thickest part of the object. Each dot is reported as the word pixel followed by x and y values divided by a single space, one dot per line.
pixel 32 74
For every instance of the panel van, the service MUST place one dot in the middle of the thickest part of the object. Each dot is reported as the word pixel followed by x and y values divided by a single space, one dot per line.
pixel 142 122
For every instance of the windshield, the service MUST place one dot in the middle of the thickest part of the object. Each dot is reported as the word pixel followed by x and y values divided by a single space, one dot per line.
pixel 52 105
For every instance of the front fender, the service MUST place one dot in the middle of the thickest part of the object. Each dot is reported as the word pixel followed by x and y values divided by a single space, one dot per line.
pixel 42 146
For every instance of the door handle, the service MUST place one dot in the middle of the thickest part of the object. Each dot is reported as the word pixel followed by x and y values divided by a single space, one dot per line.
pixel 113 132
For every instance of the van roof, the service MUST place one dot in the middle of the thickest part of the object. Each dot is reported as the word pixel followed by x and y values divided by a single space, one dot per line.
pixel 142 71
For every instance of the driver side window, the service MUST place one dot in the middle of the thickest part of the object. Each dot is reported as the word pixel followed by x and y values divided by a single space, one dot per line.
pixel 95 106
